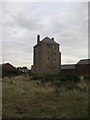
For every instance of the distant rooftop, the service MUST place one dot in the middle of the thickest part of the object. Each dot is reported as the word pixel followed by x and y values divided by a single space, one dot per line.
pixel 68 66
pixel 48 40
pixel 7 66
pixel 84 61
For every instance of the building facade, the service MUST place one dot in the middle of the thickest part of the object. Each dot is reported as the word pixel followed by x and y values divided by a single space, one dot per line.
pixel 46 57
pixel 68 68
pixel 83 67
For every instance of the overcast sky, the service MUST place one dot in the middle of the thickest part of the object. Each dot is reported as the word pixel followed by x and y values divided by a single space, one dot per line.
pixel 67 22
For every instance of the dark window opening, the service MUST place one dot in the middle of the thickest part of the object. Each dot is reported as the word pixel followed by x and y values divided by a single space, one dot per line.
pixel 47 60
pixel 54 53
pixel 54 61
pixel 48 45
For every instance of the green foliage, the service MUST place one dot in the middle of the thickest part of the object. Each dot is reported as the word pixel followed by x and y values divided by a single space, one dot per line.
pixel 36 77
pixel 61 77
pixel 87 77
pixel 12 72
pixel 9 73
pixel 69 81
pixel 72 77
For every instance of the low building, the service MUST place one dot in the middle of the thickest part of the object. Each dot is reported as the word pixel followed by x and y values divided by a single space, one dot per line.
pixel 7 66
pixel 68 68
pixel 83 67
pixel 8 69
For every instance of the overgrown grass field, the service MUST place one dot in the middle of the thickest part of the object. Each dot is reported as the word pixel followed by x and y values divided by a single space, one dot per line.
pixel 24 97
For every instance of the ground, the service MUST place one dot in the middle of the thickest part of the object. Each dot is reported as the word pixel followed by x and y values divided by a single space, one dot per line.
pixel 26 98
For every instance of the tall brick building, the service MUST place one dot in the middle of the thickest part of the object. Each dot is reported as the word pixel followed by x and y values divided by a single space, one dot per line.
pixel 46 57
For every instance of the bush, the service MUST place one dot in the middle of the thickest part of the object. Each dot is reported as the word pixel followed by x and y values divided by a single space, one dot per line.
pixel 9 73
pixel 72 77
pixel 87 77
pixel 36 77
pixel 61 77
pixel 67 77
pixel 69 81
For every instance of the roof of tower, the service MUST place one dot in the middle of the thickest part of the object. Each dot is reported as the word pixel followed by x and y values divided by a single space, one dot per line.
pixel 48 40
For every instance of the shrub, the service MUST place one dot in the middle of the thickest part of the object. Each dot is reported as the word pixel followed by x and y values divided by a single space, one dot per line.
pixel 72 77
pixel 87 77
pixel 9 73
pixel 57 79
pixel 63 78
pixel 36 77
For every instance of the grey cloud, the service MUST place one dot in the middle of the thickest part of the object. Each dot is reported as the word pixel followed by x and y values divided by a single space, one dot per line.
pixel 27 23
pixel 69 27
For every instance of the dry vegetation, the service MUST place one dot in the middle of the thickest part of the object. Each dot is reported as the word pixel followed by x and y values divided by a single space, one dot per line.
pixel 27 98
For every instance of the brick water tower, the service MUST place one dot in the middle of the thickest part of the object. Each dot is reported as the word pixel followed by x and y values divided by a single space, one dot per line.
pixel 46 57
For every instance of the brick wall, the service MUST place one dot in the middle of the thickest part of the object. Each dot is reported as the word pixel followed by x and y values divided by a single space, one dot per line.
pixel 47 58
pixel 83 69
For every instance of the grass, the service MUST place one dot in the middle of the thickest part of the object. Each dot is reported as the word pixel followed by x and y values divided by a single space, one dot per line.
pixel 26 98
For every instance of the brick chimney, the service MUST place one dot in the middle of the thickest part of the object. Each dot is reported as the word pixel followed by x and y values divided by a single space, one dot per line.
pixel 53 38
pixel 38 39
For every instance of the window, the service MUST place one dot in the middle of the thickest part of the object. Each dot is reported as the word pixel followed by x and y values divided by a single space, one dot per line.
pixel 53 60
pixel 54 46
pixel 47 60
pixel 48 45
pixel 54 53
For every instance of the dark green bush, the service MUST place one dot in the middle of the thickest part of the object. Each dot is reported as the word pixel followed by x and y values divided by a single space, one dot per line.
pixel 87 77
pixel 72 77
pixel 9 73
pixel 36 77
pixel 56 78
